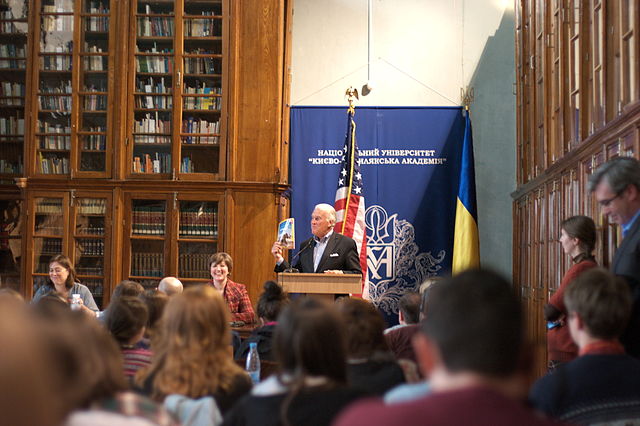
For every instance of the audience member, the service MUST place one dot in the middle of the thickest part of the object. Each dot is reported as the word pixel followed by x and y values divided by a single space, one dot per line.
pixel 155 301
pixel 88 371
pixel 271 302
pixel 399 337
pixel 126 319
pixel 311 389
pixel 27 381
pixel 192 357
pixel 471 347
pixel 9 293
pixel 578 239
pixel 370 365
pixel 62 280
pixel 616 187
pixel 170 286
pixel 601 385
pixel 235 295
pixel 127 288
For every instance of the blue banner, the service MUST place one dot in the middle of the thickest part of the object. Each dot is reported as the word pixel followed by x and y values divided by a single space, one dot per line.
pixel 410 161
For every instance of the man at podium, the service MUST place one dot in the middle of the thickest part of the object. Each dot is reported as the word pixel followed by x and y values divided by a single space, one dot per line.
pixel 325 252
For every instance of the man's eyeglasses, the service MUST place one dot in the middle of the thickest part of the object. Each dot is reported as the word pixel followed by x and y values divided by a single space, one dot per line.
pixel 606 202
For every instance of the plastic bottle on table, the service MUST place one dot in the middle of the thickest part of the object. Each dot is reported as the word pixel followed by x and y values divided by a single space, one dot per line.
pixel 253 363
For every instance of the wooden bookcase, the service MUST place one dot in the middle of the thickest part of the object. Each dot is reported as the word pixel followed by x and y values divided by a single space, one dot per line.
pixel 153 133
pixel 578 105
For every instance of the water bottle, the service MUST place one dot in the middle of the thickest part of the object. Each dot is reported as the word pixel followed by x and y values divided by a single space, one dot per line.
pixel 253 363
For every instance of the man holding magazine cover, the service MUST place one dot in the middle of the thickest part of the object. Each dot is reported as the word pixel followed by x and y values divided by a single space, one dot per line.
pixel 325 252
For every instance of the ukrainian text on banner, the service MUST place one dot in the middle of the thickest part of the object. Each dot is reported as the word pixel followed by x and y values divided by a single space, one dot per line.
pixel 410 160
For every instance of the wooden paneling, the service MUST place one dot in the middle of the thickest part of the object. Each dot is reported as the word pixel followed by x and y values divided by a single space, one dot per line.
pixel 257 74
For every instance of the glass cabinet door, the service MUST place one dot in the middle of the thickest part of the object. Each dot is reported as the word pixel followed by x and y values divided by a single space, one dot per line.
pixel 197 238
pixel 94 90
pixel 147 241
pixel 154 71
pixel 13 70
pixel 10 242
pixel 48 235
pixel 54 100
pixel 201 87
pixel 90 244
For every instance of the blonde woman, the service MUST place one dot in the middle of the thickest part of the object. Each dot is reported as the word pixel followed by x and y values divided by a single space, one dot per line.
pixel 192 357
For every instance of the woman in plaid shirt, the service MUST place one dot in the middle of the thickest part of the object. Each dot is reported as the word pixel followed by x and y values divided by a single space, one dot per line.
pixel 235 295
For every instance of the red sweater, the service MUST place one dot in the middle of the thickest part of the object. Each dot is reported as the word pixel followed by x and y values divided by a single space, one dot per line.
pixel 560 346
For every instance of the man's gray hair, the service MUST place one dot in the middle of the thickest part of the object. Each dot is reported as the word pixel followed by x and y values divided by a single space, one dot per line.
pixel 329 209
pixel 618 173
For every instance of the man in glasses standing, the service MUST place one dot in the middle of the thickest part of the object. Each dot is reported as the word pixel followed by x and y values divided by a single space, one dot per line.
pixel 616 187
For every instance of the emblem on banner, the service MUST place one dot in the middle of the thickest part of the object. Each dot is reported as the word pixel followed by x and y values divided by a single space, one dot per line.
pixel 394 263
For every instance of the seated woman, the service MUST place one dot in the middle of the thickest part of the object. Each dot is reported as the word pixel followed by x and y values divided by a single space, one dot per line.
pixel 125 319
pixel 62 280
pixel 311 388
pixel 270 303
pixel 192 356
pixel 371 367
pixel 235 295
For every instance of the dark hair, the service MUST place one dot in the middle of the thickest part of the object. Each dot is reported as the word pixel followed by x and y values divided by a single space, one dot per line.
pixel 475 320
pixel 156 302
pixel 127 288
pixel 125 317
pixel 619 173
pixel 87 360
pixel 309 341
pixel 364 328
pixel 602 300
pixel 271 301
pixel 584 229
pixel 65 262
pixel 221 257
pixel 409 305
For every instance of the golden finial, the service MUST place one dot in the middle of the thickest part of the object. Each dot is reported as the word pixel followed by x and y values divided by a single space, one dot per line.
pixel 351 94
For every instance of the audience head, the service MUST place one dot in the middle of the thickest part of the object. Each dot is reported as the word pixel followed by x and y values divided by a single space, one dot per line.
pixel 271 302
pixel 126 318
pixel 616 187
pixel 425 291
pixel 170 286
pixel 193 356
pixel 127 288
pixel 309 342
pixel 474 321
pixel 409 308
pixel 11 294
pixel 61 272
pixel 27 383
pixel 578 233
pixel 599 304
pixel 156 301
pixel 84 358
pixel 364 328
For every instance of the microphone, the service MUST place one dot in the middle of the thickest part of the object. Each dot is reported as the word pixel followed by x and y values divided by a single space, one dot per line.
pixel 312 243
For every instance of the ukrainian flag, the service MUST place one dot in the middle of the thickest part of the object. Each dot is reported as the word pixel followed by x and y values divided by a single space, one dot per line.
pixel 466 245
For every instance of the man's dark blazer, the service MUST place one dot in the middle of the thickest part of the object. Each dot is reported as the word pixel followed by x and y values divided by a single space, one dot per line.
pixel 340 253
pixel 626 264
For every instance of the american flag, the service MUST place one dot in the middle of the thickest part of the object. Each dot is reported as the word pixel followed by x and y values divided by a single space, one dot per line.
pixel 349 202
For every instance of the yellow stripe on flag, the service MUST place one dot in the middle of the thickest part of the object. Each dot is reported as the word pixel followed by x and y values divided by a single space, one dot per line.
pixel 466 245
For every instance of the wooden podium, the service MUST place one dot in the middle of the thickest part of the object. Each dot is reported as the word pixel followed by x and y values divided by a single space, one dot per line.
pixel 321 285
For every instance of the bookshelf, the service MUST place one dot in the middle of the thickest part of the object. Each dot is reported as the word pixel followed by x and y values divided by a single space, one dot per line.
pixel 176 97
pixel 76 224
pixel 172 235
pixel 14 35
pixel 11 232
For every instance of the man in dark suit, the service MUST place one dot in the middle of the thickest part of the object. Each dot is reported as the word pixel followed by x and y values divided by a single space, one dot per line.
pixel 616 187
pixel 326 251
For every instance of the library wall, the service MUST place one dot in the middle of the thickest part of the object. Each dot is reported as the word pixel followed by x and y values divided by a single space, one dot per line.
pixel 578 80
